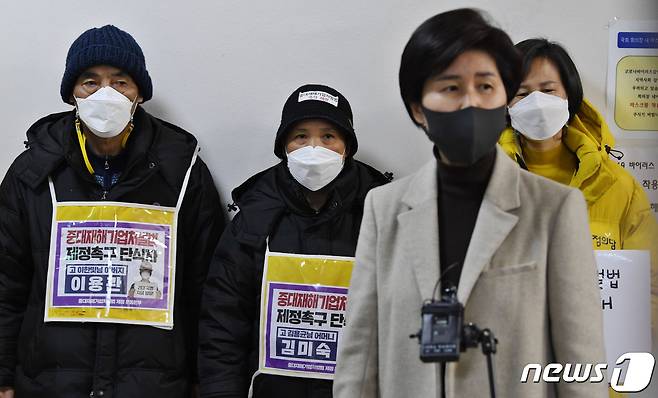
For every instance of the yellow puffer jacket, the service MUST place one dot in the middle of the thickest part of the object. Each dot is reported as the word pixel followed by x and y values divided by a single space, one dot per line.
pixel 619 211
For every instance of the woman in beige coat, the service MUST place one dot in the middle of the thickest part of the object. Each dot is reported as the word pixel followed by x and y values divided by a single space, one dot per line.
pixel 514 245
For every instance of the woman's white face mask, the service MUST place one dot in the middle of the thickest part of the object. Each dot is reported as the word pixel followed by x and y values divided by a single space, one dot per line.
pixel 314 167
pixel 106 112
pixel 539 116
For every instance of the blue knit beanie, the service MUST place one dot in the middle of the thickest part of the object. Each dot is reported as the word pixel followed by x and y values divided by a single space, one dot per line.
pixel 108 45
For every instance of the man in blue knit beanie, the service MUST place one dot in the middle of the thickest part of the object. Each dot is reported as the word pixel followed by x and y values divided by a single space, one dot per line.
pixel 101 190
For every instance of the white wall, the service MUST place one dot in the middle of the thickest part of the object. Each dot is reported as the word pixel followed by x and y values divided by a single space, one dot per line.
pixel 223 69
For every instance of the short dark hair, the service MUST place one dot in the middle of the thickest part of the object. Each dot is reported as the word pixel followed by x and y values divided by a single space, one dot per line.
pixel 437 42
pixel 532 49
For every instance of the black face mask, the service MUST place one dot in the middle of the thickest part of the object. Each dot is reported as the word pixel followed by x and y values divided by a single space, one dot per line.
pixel 466 135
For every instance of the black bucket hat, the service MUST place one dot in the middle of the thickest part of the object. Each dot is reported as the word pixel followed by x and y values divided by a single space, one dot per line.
pixel 316 101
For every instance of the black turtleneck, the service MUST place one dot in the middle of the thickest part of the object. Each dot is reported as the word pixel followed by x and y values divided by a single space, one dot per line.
pixel 460 193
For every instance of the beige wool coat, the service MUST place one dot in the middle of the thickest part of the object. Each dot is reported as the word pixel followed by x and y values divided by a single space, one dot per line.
pixel 529 275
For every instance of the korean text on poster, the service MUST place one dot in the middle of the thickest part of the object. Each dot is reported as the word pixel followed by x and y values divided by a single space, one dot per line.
pixel 111 271
pixel 632 87
pixel 303 314
pixel 624 283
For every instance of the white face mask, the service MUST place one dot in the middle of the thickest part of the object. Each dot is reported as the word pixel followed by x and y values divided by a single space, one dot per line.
pixel 146 275
pixel 314 167
pixel 106 112
pixel 539 116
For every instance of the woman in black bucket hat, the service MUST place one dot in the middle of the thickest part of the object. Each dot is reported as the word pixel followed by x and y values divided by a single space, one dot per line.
pixel 306 208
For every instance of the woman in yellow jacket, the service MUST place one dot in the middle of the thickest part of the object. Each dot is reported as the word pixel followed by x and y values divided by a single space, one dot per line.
pixel 558 134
